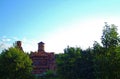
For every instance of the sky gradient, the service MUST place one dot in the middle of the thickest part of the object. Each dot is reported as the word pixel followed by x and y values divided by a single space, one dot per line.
pixel 58 23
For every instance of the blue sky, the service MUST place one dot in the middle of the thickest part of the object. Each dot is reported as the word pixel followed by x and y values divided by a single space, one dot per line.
pixel 58 23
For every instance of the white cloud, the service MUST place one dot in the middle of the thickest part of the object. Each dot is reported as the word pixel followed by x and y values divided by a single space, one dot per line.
pixel 6 40
pixel 4 45
pixel 77 33
pixel 29 44
pixel 81 34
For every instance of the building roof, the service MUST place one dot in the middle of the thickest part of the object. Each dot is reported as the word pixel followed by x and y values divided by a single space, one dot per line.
pixel 41 42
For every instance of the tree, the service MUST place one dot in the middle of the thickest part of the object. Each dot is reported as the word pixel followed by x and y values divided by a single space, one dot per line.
pixel 110 38
pixel 107 57
pixel 49 75
pixel 75 64
pixel 15 64
pixel 66 63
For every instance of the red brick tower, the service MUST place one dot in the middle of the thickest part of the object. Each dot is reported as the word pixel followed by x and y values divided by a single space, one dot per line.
pixel 41 47
pixel 19 45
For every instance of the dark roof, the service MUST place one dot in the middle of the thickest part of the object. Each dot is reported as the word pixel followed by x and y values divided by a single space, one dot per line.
pixel 41 42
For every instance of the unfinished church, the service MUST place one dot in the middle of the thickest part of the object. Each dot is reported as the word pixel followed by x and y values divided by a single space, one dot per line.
pixel 42 61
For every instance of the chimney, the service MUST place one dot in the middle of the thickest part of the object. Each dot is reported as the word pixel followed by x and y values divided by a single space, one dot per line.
pixel 41 47
pixel 19 45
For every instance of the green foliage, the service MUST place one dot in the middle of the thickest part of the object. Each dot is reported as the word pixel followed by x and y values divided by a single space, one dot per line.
pixel 74 64
pixel 107 58
pixel 110 38
pixel 15 64
pixel 99 62
pixel 48 75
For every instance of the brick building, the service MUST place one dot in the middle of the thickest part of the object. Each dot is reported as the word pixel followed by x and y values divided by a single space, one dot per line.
pixel 19 45
pixel 42 61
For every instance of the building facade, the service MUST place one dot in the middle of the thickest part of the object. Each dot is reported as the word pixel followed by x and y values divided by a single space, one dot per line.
pixel 42 61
